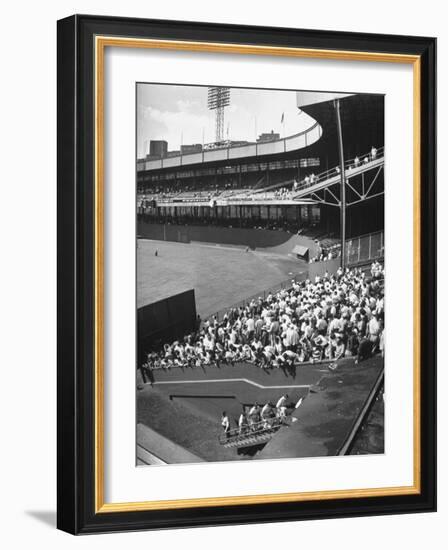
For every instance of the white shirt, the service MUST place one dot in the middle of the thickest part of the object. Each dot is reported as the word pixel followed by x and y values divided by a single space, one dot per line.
pixel 265 409
pixel 374 327
pixel 281 402
pixel 250 324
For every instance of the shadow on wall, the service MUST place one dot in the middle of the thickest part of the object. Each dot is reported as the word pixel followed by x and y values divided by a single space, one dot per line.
pixel 281 242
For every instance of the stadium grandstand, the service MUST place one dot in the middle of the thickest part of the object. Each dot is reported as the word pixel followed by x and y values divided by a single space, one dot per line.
pixel 290 182
pixel 260 288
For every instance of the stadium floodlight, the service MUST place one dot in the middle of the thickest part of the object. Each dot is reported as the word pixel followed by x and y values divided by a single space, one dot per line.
pixel 218 99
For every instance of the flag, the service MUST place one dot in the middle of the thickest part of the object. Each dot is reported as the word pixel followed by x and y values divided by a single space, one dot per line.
pixel 283 118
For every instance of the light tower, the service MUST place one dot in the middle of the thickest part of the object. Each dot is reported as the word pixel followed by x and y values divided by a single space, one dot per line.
pixel 218 99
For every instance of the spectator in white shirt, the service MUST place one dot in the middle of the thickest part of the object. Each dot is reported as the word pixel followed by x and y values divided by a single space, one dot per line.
pixel 281 406
pixel 225 423
pixel 242 422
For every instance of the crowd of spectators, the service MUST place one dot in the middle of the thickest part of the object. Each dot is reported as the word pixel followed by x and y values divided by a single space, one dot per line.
pixel 283 193
pixel 208 186
pixel 324 253
pixel 211 187
pixel 333 317
pixel 309 180
pixel 363 160
pixel 246 223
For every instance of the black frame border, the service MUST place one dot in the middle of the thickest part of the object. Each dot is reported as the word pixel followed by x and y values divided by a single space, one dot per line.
pixel 76 261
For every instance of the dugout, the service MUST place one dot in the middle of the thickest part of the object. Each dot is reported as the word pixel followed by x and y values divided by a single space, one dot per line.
pixel 301 252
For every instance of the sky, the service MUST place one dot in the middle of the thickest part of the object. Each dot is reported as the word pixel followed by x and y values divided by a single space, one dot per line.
pixel 174 113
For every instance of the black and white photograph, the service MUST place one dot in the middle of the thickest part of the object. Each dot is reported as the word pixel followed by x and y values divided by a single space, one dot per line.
pixel 260 274
pixel 201 243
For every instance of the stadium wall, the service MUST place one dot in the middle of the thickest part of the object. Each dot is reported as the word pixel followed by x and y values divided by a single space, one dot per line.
pixel 320 268
pixel 278 241
pixel 165 321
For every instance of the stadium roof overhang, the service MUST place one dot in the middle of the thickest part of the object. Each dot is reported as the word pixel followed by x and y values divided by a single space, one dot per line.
pixel 362 120
pixel 305 99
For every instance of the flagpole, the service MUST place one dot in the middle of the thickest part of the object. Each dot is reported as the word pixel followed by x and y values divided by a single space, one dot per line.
pixel 181 143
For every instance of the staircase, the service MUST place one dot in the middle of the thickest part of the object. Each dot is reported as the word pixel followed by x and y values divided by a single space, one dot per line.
pixel 257 434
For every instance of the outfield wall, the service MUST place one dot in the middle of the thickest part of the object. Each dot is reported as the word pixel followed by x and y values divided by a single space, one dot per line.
pixel 276 241
pixel 165 321
pixel 320 268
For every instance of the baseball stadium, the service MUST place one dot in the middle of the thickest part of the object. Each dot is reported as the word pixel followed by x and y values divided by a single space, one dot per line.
pixel 260 288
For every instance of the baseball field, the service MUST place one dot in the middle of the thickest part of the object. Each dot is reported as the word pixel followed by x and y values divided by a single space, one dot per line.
pixel 221 276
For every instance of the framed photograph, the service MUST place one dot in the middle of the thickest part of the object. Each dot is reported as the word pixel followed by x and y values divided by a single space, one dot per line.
pixel 246 274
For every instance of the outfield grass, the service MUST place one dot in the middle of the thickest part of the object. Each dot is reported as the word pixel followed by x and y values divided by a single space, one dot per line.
pixel 220 276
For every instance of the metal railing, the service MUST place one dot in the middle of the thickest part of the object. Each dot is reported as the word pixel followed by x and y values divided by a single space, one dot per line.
pixel 253 194
pixel 349 164
pixel 358 250
pixel 364 248
pixel 264 427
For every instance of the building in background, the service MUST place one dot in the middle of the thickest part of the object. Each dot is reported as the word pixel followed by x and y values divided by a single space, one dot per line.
pixel 175 153
pixel 265 137
pixel 158 148
pixel 193 148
